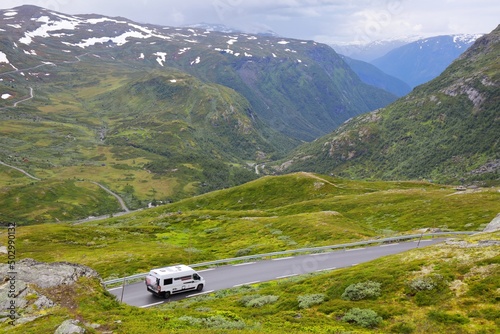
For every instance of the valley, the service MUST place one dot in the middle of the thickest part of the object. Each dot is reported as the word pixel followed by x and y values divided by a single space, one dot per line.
pixel 127 146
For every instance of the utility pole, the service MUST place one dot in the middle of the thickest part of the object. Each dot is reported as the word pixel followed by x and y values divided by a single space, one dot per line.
pixel 123 289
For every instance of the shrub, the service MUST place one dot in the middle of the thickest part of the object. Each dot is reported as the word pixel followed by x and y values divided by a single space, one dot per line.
pixel 363 317
pixel 428 290
pixel 362 290
pixel 422 283
pixel 243 252
pixel 403 328
pixel 447 318
pixel 425 298
pixel 257 300
pixel 217 321
pixel 306 301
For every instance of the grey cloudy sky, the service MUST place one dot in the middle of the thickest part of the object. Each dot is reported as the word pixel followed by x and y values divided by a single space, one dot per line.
pixel 327 21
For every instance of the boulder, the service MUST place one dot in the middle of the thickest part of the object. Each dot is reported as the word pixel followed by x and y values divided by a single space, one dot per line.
pixel 18 285
pixel 494 225
pixel 47 275
pixel 70 327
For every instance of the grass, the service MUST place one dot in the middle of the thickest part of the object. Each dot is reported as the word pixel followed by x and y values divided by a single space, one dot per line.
pixel 51 200
pixel 464 300
pixel 121 126
pixel 319 211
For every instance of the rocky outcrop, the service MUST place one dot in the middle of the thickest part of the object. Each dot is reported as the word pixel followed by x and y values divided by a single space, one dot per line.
pixel 70 327
pixel 494 225
pixel 25 289
pixel 47 275
pixel 489 167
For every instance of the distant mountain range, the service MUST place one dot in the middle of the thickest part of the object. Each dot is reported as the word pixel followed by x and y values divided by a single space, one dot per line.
pixel 225 29
pixel 372 75
pixel 258 67
pixel 153 112
pixel 413 60
pixel 445 130
pixel 370 51
pixel 423 60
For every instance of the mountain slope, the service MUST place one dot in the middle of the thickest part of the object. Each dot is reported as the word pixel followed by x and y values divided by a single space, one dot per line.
pixel 371 50
pixel 371 75
pixel 301 88
pixel 155 113
pixel 423 60
pixel 445 130
pixel 274 214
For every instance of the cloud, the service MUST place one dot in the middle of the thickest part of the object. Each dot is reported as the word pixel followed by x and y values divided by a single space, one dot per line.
pixel 322 20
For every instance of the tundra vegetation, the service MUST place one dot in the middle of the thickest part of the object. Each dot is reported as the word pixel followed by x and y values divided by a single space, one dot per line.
pixel 443 288
pixel 320 211
pixel 449 287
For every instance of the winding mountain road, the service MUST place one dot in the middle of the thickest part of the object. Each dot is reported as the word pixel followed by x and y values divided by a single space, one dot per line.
pixel 230 276
pixel 120 200
pixel 21 170
pixel 26 99
pixel 32 68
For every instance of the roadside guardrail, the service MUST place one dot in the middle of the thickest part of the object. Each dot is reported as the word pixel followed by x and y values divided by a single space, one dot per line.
pixel 319 249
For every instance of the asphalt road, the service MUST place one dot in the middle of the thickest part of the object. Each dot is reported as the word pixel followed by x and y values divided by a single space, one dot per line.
pixel 230 276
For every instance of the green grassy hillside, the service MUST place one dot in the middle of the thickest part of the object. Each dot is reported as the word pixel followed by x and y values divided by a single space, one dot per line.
pixel 445 130
pixel 272 213
pixel 443 288
pixel 147 136
pixel 303 91
pixel 176 113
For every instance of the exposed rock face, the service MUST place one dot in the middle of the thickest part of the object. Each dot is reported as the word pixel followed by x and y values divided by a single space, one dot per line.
pixel 20 296
pixel 494 225
pixel 69 327
pixel 47 275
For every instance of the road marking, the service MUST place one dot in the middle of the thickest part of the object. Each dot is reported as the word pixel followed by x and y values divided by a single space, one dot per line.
pixel 201 271
pixel 242 264
pixel 115 288
pixel 316 254
pixel 332 268
pixel 354 264
pixel 387 245
pixel 354 249
pixel 248 283
pixel 285 276
pixel 201 293
pixel 143 306
pixel 283 258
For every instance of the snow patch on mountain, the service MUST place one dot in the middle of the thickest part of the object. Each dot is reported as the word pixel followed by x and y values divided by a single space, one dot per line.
pixel 161 57
pixel 89 31
pixel 71 23
pixel 196 61
pixel 466 38
pixel 48 26
pixel 3 58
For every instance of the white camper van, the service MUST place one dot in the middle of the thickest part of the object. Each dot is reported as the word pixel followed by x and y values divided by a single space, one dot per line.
pixel 165 281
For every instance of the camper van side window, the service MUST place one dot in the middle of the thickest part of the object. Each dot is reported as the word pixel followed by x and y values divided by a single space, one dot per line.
pixel 167 281
pixel 184 278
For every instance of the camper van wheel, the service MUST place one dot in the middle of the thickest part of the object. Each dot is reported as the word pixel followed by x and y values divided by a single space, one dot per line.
pixel 166 294
pixel 199 287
